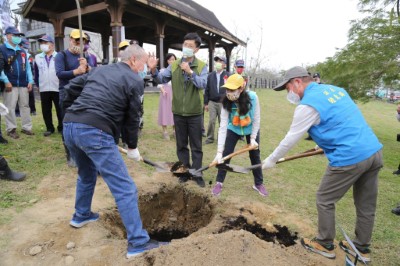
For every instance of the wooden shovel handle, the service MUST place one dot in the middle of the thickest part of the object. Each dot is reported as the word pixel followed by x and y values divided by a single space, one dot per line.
pixel 300 155
pixel 229 156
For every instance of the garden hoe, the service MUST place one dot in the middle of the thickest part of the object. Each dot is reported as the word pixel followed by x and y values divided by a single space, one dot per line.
pixel 245 170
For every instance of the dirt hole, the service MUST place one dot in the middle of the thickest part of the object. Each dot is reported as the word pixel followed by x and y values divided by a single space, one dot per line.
pixel 168 214
pixel 280 234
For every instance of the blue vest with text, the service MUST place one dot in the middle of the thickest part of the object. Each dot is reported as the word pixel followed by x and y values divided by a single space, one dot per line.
pixel 342 133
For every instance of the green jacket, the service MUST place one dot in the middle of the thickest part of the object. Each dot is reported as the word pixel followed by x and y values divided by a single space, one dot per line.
pixel 187 99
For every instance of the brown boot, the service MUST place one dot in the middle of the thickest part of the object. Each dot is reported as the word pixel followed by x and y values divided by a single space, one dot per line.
pixel 7 173
pixel 13 133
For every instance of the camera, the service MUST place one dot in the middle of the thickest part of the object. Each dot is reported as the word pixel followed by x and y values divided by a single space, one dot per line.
pixel 398 137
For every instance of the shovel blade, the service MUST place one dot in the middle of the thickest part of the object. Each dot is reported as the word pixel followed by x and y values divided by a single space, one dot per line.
pixel 157 166
pixel 233 168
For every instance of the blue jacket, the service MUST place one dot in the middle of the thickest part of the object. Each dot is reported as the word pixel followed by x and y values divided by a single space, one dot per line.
pixel 19 72
pixel 342 133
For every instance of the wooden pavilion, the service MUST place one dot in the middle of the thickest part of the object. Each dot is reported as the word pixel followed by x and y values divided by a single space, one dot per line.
pixel 159 22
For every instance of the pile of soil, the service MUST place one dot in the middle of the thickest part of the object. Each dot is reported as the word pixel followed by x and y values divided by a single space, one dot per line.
pixel 202 229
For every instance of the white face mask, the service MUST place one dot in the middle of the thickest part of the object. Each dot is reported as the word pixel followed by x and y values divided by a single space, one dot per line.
pixel 293 98
pixel 218 66
pixel 187 52
pixel 45 48
pixel 233 96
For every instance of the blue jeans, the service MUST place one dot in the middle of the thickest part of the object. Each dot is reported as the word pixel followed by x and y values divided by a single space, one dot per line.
pixel 230 143
pixel 94 150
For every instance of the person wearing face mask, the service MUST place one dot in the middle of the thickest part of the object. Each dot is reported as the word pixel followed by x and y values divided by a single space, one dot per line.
pixel 48 83
pixel 354 153
pixel 68 65
pixel 86 47
pixel 109 98
pixel 240 116
pixel 25 44
pixel 18 79
pixel 213 95
pixel 239 69
pixel 189 78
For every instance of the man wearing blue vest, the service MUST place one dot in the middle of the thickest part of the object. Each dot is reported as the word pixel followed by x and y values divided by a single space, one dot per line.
pixel 354 153
pixel 18 79
pixel 188 76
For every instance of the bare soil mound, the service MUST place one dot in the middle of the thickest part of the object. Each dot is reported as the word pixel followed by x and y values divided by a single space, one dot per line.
pixel 202 229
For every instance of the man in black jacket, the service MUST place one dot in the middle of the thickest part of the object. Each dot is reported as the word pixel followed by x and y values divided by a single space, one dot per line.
pixel 213 95
pixel 106 99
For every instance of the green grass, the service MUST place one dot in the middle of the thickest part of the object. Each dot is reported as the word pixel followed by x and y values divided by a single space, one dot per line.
pixel 292 185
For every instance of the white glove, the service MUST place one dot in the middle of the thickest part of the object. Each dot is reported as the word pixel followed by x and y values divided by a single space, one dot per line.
pixel 218 158
pixel 134 154
pixel 253 142
pixel 3 109
pixel 268 163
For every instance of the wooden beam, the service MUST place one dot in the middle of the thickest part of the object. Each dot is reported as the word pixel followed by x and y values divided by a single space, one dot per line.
pixel 84 10
pixel 191 20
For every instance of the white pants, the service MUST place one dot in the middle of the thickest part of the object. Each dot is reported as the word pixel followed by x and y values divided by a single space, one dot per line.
pixel 20 95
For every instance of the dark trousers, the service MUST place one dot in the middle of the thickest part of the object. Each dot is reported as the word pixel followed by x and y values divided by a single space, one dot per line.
pixel 32 100
pixel 60 103
pixel 230 143
pixel 47 99
pixel 188 132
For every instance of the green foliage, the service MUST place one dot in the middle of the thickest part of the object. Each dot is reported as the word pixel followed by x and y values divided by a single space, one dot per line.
pixel 371 58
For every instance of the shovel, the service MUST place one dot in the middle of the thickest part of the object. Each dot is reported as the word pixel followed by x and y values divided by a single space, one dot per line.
pixel 158 167
pixel 229 156
pixel 245 170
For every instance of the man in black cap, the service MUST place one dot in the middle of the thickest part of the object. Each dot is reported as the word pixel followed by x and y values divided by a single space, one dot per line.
pixel 18 79
pixel 352 149
pixel 213 94
pixel 317 78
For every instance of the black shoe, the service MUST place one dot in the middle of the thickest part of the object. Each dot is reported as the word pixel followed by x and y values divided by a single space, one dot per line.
pixel 3 140
pixel 308 138
pixel 397 172
pixel 183 178
pixel 48 133
pixel 199 181
pixel 396 210
pixel 208 142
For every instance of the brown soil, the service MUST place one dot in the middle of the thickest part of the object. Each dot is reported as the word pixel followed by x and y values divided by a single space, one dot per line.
pixel 204 230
